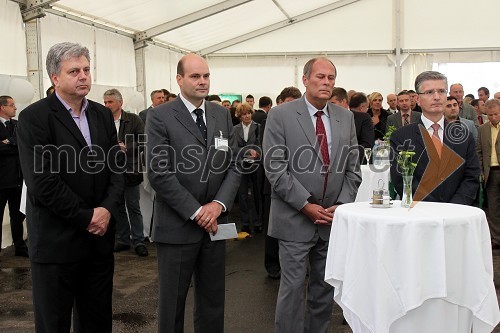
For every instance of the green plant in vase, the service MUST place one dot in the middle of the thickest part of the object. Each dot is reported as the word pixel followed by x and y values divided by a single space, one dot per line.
pixel 407 167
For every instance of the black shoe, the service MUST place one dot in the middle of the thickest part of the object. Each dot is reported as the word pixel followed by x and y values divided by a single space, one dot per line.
pixel 258 229
pixel 274 275
pixel 121 247
pixel 21 252
pixel 245 228
pixel 141 250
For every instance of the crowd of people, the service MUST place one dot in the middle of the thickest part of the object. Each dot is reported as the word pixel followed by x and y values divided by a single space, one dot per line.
pixel 83 163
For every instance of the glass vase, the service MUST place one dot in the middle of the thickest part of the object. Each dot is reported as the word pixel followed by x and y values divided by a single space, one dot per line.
pixel 407 197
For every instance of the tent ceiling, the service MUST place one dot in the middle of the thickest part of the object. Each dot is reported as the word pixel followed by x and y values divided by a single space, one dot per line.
pixel 197 25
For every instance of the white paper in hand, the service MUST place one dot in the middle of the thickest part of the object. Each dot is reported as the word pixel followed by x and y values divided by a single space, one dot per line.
pixel 225 231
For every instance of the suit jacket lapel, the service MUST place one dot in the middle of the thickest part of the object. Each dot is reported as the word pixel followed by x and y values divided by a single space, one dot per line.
pixel 66 119
pixel 335 133
pixel 304 119
pixel 92 120
pixel 210 118
pixel 184 117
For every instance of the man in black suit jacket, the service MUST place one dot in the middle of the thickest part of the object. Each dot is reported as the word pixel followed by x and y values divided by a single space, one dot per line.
pixel 11 180
pixel 69 157
pixel 362 120
pixel 191 166
pixel 265 104
pixel 447 170
pixel 131 139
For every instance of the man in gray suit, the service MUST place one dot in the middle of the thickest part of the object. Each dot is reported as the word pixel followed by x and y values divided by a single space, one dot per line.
pixel 191 166
pixel 466 111
pixel 311 162
pixel 405 115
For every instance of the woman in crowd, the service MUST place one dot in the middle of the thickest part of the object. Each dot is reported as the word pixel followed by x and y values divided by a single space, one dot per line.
pixel 378 114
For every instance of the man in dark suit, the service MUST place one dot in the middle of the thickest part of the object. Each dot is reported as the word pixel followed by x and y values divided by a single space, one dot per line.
pixel 248 134
pixel 447 164
pixel 191 166
pixel 157 98
pixel 362 121
pixel 265 104
pixel 131 139
pixel 312 169
pixel 11 180
pixel 70 160
pixel 405 115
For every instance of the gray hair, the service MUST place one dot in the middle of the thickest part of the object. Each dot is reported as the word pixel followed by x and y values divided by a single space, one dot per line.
pixel 114 93
pixel 63 51
pixel 429 76
pixel 309 65
pixel 492 103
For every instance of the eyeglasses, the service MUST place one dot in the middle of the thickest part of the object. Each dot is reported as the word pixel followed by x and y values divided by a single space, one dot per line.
pixel 430 93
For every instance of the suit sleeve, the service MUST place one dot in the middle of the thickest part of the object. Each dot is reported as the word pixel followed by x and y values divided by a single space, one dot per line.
pixel 467 191
pixel 45 186
pixel 367 137
pixel 276 154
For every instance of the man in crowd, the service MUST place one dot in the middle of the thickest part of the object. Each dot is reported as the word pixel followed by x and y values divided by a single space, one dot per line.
pixel 392 101
pixel 70 160
pixel 488 150
pixel 362 121
pixel 447 166
pixel 130 129
pixel 265 104
pixel 194 193
pixel 157 98
pixel 405 115
pixel 478 106
pixel 496 95
pixel 250 100
pixel 466 111
pixel 413 101
pixel 303 203
pixel 483 94
pixel 11 180
pixel 451 115
pixel 227 104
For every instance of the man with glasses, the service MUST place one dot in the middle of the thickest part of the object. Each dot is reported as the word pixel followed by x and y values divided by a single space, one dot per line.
pixel 466 111
pixel 11 181
pixel 447 165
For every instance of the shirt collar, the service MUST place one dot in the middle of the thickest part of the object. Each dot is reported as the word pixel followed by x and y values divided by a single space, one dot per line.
pixel 85 103
pixel 428 123
pixel 4 120
pixel 190 106
pixel 312 110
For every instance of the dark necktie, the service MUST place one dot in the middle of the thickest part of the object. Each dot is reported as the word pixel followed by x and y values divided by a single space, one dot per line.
pixel 10 128
pixel 480 119
pixel 405 122
pixel 200 123
pixel 323 144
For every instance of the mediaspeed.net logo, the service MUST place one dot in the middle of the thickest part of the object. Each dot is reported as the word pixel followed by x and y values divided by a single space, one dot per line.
pixel 439 168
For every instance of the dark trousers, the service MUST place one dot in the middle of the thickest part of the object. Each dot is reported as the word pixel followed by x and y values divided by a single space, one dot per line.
pixel 271 245
pixel 87 284
pixel 250 181
pixel 493 192
pixel 13 197
pixel 176 265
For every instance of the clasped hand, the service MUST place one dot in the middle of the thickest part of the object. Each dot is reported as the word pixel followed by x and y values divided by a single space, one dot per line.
pixel 318 214
pixel 207 217
pixel 100 221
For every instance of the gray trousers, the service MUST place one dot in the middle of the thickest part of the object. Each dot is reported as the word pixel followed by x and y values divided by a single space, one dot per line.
pixel 293 313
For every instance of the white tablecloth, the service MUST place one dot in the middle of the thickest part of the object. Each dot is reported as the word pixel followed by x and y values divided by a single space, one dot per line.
pixel 373 178
pixel 385 264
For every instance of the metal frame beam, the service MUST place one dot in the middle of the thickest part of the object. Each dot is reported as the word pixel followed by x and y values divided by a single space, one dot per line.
pixel 185 20
pixel 301 54
pixel 276 26
pixel 282 9
pixel 32 9
pixel 88 22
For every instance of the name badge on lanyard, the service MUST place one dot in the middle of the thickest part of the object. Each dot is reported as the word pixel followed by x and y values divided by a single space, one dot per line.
pixel 221 143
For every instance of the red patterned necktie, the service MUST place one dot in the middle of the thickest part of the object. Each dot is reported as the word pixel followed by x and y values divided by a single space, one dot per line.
pixel 323 144
pixel 436 140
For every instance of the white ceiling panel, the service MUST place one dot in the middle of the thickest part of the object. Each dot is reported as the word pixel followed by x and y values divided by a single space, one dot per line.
pixel 297 7
pixel 224 26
